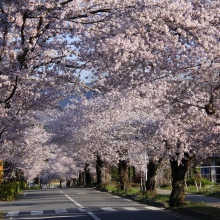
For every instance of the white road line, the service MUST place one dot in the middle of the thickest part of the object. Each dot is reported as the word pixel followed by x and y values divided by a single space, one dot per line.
pixel 81 210
pixel 130 208
pixel 108 209
pixel 24 194
pixel 60 191
pixel 36 212
pixel 76 203
pixel 153 208
pixel 60 210
pixel 117 197
pixel 80 207
pixel 93 216
pixel 12 214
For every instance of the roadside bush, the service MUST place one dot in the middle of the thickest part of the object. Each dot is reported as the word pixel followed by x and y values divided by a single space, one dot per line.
pixel 205 182
pixel 114 174
pixel 34 187
pixel 165 186
pixel 9 191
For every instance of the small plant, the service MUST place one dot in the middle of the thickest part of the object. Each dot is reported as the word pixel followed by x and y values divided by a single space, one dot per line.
pixel 204 182
pixel 34 187
pixel 162 198
pixel 132 191
pixel 166 186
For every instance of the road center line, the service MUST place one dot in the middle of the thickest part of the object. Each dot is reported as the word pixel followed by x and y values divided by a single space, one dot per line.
pixel 76 203
pixel 81 208
pixel 93 216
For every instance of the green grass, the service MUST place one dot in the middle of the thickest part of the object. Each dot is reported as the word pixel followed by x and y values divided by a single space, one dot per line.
pixel 214 191
pixel 207 190
pixel 116 190
pixel 213 213
pixel 165 187
pixel 201 207
pixel 162 198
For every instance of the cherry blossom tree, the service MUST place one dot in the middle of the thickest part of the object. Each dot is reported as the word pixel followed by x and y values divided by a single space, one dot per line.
pixel 154 40
pixel 24 150
pixel 38 68
pixel 126 49
pixel 108 126
pixel 37 52
pixel 174 41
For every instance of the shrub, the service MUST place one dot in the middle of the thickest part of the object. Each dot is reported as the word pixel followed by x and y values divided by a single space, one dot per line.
pixel 205 182
pixel 9 191
pixel 114 174
pixel 34 187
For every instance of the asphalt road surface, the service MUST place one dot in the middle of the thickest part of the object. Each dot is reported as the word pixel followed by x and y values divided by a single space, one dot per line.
pixel 79 204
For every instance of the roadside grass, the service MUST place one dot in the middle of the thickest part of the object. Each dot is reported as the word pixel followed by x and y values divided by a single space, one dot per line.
pixel 211 213
pixel 165 187
pixel 135 194
pixel 207 190
pixel 1 215
pixel 202 207
pixel 113 188
pixel 162 198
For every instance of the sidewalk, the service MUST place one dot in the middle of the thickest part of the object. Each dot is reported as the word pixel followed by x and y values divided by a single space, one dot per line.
pixel 211 201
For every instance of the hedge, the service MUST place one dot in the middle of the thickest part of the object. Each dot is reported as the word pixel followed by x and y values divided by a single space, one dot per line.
pixel 9 191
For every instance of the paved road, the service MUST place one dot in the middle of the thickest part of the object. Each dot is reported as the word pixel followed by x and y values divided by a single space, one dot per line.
pixel 79 204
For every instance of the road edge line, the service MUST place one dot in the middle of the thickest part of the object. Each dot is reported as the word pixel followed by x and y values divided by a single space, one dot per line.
pixel 82 208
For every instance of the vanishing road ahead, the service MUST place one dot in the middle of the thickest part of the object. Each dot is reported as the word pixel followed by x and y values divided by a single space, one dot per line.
pixel 79 204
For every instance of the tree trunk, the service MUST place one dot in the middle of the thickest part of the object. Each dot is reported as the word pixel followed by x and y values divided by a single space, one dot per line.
pixel 134 174
pixel 151 176
pixel 81 179
pixel 123 174
pixel 178 171
pixel 99 167
pixel 87 175
pixel 67 183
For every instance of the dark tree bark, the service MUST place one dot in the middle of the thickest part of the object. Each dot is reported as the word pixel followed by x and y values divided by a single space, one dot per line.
pixel 87 175
pixel 178 171
pixel 123 174
pixel 67 183
pixel 99 167
pixel 81 179
pixel 151 176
